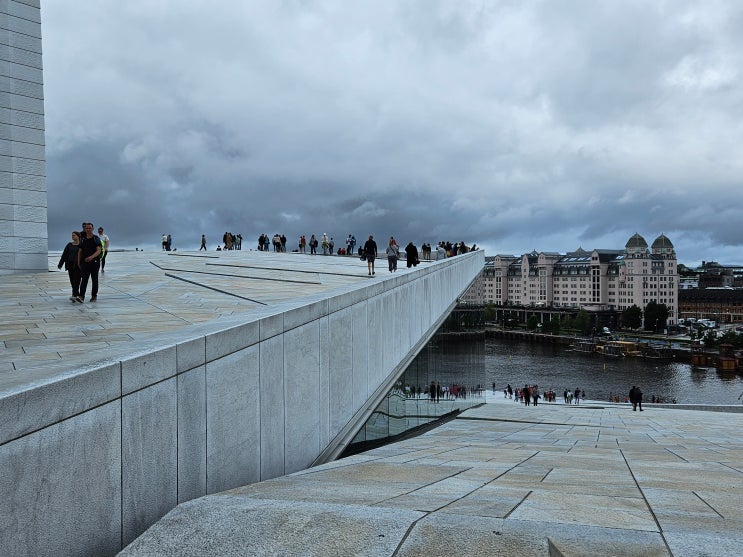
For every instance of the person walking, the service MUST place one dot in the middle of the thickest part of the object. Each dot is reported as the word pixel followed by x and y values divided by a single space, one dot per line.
pixel 203 243
pixel 411 255
pixel 635 397
pixel 104 248
pixel 393 253
pixel 370 252
pixel 69 260
pixel 88 259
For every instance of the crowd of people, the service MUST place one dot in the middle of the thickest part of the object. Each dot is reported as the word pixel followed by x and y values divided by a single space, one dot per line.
pixel 530 394
pixel 326 245
pixel 92 261
pixel 231 241
pixel 83 257
pixel 368 252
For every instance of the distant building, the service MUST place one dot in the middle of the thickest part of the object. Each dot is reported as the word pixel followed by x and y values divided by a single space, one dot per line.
pixel 688 283
pixel 713 275
pixel 722 305
pixel 597 280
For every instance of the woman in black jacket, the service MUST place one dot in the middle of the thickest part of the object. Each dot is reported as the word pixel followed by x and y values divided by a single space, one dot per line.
pixel 69 259
pixel 411 254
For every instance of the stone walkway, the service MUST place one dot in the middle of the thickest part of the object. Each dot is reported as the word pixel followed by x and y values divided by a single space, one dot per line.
pixel 43 334
pixel 502 479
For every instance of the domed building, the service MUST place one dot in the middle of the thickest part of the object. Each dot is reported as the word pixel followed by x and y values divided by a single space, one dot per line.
pixel 636 246
pixel 663 246
pixel 601 280
pixel 647 275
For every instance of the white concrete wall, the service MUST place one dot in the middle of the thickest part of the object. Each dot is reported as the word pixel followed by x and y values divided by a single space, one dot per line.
pixel 23 208
pixel 91 459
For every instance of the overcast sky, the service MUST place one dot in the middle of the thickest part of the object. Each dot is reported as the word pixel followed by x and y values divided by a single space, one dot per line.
pixel 516 125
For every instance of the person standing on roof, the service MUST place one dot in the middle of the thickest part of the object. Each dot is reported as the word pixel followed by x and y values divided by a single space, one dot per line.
pixel 104 248
pixel 370 252
pixel 88 259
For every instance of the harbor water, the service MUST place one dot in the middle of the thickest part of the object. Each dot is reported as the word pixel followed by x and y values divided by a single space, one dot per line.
pixel 477 363
pixel 557 367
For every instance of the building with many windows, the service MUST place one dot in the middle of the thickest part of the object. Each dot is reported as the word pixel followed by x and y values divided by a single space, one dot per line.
pixel 597 280
pixel 720 304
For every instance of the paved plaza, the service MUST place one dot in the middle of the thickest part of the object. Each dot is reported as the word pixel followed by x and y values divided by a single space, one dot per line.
pixel 144 296
pixel 502 479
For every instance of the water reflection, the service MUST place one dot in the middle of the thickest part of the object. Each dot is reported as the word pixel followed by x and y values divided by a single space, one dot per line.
pixel 454 364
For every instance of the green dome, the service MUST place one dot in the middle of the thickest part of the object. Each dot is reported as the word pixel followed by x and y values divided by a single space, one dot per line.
pixel 636 241
pixel 662 242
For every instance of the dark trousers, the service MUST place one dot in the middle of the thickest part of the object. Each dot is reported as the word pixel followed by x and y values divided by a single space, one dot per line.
pixel 74 273
pixel 89 270
pixel 103 260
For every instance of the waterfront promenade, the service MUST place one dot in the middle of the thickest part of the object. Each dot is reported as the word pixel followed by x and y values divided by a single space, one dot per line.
pixel 501 479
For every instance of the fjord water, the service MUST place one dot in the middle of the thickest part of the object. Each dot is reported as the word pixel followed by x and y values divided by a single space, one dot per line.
pixel 556 367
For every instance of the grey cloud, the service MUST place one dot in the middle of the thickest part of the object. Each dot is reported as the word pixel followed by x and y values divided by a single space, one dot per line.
pixel 515 125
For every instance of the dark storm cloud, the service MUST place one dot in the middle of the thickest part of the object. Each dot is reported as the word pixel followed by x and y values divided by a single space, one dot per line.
pixel 515 125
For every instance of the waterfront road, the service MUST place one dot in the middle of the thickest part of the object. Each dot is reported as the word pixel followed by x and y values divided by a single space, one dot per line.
pixel 501 479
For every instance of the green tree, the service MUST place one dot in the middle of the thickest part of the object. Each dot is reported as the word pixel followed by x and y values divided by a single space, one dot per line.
pixel 683 270
pixel 632 317
pixel 710 338
pixel 694 334
pixel 655 316
pixel 553 325
pixel 489 312
pixel 582 322
pixel 731 337
pixel 532 322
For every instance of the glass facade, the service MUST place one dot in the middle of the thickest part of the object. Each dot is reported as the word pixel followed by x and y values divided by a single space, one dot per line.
pixel 451 367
